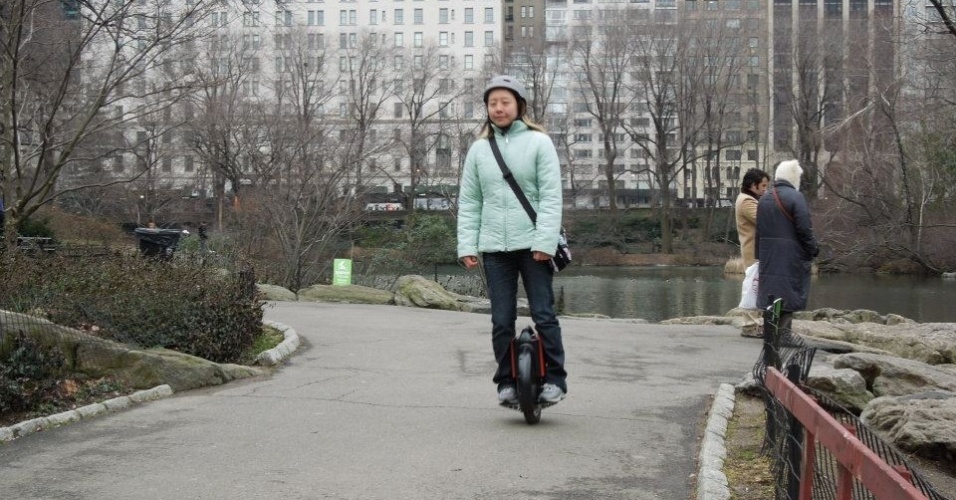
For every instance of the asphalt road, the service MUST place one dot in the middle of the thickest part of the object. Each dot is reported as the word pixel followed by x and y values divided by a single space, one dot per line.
pixel 385 402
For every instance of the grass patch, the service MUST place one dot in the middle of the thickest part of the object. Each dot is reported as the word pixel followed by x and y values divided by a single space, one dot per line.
pixel 748 471
pixel 267 339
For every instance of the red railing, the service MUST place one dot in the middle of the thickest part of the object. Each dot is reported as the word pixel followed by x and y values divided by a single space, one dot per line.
pixel 855 459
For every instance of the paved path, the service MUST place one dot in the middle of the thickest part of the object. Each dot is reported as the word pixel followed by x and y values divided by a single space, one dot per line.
pixel 386 402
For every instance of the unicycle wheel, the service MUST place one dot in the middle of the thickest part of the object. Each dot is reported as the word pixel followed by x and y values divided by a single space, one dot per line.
pixel 527 388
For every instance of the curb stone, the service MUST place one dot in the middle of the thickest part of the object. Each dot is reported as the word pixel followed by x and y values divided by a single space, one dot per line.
pixel 91 410
pixel 274 356
pixel 711 481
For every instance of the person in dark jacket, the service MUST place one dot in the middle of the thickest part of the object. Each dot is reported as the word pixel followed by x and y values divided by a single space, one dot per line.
pixel 785 243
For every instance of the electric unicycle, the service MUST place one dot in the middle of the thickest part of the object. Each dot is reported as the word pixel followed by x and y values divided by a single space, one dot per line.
pixel 528 367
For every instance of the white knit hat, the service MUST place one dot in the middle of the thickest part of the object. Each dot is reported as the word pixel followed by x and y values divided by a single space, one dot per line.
pixel 789 171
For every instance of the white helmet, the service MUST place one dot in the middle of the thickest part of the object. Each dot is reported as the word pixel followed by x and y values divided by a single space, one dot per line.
pixel 506 82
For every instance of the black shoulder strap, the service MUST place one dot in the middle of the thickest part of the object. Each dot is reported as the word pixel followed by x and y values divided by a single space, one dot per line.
pixel 511 180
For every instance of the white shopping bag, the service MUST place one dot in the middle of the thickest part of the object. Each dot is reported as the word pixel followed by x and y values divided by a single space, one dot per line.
pixel 748 290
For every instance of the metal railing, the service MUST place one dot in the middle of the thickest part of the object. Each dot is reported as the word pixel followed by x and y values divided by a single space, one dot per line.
pixel 819 449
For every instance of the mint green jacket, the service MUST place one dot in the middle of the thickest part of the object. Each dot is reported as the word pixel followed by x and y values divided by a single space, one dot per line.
pixel 490 217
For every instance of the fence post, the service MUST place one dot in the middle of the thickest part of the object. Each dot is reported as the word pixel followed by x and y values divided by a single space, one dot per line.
pixel 794 440
pixel 844 476
pixel 771 358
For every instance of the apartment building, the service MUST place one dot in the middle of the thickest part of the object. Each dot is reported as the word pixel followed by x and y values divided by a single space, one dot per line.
pixel 745 55
pixel 398 79
pixel 828 59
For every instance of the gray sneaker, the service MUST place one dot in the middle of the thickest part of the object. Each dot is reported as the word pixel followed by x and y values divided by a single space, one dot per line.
pixel 507 395
pixel 551 393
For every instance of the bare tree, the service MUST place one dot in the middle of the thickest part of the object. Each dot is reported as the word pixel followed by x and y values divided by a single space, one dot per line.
pixel 424 94
pixel 224 119
pixel 368 80
pixel 893 180
pixel 655 83
pixel 601 60
pixel 947 14
pixel 809 74
pixel 66 67
pixel 710 103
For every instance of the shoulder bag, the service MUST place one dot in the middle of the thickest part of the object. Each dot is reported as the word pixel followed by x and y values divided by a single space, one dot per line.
pixel 562 255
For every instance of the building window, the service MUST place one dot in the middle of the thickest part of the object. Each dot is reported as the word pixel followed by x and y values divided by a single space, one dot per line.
pixel 399 17
pixel 419 16
pixel 489 38
pixel 397 111
pixel 469 39
pixel 443 39
pixel 399 40
pixel 489 15
pixel 469 61
pixel 283 18
pixel 316 18
pixel 443 16
pixel 419 39
pixel 469 16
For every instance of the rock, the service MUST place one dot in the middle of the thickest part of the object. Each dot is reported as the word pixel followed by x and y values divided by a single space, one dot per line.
pixel 704 320
pixel 275 292
pixel 418 291
pixel 932 343
pixel 921 423
pixel 892 376
pixel 349 294
pixel 140 368
pixel 845 386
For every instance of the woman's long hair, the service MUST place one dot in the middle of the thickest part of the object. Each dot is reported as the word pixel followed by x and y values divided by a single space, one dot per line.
pixel 486 129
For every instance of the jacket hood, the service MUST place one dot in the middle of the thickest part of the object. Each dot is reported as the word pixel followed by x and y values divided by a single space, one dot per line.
pixel 789 171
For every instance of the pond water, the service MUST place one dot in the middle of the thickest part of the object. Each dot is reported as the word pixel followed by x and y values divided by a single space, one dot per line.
pixel 658 293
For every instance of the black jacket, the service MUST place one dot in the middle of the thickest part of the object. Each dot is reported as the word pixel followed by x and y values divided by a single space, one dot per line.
pixel 786 248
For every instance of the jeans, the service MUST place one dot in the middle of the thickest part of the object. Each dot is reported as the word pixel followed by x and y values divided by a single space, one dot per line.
pixel 501 271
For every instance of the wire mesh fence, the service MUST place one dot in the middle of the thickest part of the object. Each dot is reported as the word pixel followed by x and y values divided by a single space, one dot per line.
pixel 786 442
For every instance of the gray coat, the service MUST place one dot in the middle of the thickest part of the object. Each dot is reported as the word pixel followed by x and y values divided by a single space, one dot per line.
pixel 786 248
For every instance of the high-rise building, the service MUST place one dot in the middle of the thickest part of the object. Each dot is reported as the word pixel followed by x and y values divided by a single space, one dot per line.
pixel 828 57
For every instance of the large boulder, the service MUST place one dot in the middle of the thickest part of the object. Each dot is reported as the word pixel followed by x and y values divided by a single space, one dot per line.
pixel 276 292
pixel 921 423
pixel 846 387
pixel 349 294
pixel 932 343
pixel 418 291
pixel 892 376
pixel 139 368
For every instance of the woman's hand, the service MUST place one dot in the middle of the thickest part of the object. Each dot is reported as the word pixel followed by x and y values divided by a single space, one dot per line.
pixel 470 261
pixel 540 256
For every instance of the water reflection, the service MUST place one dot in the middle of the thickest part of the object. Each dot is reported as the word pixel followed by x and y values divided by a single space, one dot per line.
pixel 658 293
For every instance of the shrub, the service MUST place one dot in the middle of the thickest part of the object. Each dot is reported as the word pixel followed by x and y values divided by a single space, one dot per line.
pixel 178 305
pixel 28 370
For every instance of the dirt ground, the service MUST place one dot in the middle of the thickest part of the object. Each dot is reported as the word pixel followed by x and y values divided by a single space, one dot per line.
pixel 748 471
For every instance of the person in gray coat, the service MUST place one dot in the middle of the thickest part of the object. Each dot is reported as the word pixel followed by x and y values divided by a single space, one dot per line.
pixel 785 243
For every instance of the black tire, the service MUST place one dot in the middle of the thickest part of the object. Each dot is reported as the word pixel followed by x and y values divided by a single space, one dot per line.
pixel 527 388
